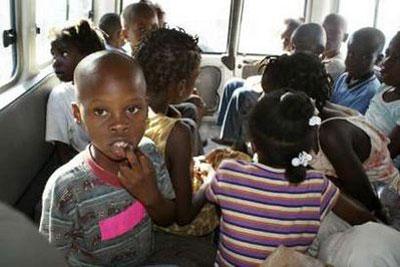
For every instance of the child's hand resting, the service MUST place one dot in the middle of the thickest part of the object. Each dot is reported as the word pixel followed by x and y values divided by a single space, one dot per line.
pixel 137 175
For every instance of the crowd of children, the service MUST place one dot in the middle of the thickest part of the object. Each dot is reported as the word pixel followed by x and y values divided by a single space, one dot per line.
pixel 124 195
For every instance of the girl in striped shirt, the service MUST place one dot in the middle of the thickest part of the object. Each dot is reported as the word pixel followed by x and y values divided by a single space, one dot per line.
pixel 277 201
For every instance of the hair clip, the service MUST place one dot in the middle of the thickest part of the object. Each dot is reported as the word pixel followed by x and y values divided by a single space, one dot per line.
pixel 285 95
pixel 314 120
pixel 302 159
pixel 255 157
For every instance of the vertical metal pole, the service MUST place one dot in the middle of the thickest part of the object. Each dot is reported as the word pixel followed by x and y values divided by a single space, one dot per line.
pixel 375 23
pixel 67 13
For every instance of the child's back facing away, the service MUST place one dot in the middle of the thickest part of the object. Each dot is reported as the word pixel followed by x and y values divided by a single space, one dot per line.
pixel 277 201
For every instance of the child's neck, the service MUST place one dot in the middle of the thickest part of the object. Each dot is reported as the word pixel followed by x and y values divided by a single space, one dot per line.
pixel 103 161
pixel 264 160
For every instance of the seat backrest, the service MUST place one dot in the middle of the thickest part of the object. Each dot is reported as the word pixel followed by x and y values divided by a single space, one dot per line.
pixel 24 152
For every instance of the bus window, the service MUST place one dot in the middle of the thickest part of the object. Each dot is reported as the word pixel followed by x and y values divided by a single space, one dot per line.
pixel 6 53
pixel 388 19
pixel 208 19
pixel 79 9
pixel 263 23
pixel 49 14
pixel 358 13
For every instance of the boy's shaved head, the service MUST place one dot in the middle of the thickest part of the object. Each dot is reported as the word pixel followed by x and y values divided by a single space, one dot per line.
pixel 103 66
pixel 364 50
pixel 336 33
pixel 111 105
pixel 110 23
pixel 371 38
pixel 309 37
pixel 336 20
pixel 137 11
pixel 138 20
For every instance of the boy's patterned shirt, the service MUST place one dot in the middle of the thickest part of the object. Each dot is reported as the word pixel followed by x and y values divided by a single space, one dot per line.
pixel 77 205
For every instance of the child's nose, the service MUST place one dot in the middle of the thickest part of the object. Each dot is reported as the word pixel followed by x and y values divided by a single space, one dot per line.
pixel 119 128
pixel 119 125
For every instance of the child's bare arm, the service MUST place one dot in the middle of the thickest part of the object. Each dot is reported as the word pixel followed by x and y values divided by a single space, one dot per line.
pixel 138 177
pixel 394 145
pixel 338 148
pixel 179 162
pixel 351 211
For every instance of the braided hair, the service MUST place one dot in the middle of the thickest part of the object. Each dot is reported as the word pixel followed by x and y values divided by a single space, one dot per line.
pixel 279 129
pixel 167 56
pixel 85 38
pixel 300 71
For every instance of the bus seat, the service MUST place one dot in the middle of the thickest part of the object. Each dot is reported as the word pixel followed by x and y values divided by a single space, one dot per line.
pixel 25 156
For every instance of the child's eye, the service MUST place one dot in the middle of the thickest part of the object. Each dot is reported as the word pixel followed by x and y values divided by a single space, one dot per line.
pixel 133 109
pixel 100 112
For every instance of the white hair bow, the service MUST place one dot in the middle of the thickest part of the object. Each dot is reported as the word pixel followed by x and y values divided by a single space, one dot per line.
pixel 314 120
pixel 302 159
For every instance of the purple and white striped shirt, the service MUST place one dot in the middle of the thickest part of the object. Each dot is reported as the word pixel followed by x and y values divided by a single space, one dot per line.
pixel 261 210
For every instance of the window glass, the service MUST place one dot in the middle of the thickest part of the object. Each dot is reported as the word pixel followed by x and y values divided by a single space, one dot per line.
pixel 79 9
pixel 46 21
pixel 208 19
pixel 263 24
pixel 388 18
pixel 358 13
pixel 6 53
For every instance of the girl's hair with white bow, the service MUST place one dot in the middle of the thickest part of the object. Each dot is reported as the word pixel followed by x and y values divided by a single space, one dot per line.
pixel 281 128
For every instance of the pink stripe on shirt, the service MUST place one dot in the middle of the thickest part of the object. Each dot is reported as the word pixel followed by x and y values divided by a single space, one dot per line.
pixel 123 222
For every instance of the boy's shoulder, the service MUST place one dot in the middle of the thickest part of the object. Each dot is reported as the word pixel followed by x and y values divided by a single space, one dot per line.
pixel 69 175
pixel 63 88
pixel 341 80
pixel 148 147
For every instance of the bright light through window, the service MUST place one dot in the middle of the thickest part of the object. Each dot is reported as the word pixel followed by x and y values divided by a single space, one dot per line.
pixel 263 24
pixel 79 9
pixel 46 20
pixel 208 19
pixel 358 13
pixel 389 18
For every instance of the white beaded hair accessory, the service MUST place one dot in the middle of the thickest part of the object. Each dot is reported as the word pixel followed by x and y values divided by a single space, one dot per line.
pixel 302 159
pixel 314 120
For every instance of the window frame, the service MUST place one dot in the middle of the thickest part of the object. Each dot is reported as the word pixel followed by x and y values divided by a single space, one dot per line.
pixel 90 17
pixel 228 33
pixel 376 11
pixel 243 54
pixel 16 71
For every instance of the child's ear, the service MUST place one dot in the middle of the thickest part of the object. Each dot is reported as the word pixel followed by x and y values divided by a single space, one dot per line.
pixel 125 33
pixel 319 49
pixel 379 59
pixel 76 113
pixel 346 35
pixel 253 148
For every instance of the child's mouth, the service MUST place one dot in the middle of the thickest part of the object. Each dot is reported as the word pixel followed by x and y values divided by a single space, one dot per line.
pixel 118 149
